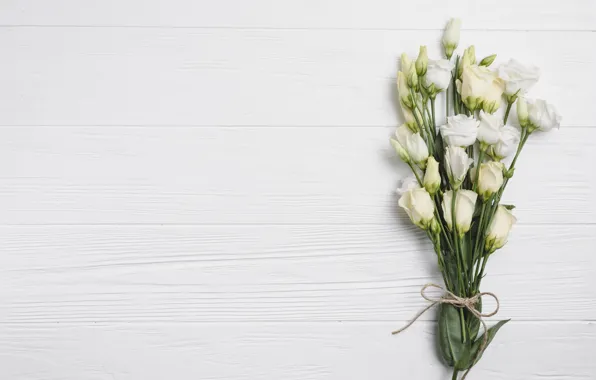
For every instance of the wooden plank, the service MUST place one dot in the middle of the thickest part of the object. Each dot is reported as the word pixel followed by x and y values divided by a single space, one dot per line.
pixel 108 274
pixel 319 351
pixel 96 175
pixel 336 14
pixel 155 351
pixel 132 76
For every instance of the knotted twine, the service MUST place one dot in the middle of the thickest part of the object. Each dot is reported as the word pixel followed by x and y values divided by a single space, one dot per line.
pixel 468 303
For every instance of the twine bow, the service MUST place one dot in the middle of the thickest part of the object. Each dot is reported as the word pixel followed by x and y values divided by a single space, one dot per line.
pixel 460 302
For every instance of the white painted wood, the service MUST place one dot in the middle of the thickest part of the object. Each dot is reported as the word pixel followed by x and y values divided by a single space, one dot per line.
pixel 145 76
pixel 320 14
pixel 204 190
pixel 105 274
pixel 247 351
pixel 97 175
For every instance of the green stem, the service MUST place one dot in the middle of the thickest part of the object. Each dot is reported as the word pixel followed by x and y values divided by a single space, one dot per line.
pixel 509 104
pixel 432 106
pixel 458 260
pixel 455 373
pixel 415 174
pixel 480 157
pixel 479 232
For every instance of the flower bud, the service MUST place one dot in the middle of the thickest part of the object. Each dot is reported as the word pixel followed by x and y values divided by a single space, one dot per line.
pixel 498 230
pixel 522 112
pixel 409 69
pixel 432 178
pixel 435 227
pixel 469 58
pixel 422 61
pixel 487 61
pixel 401 151
pixel 419 206
pixel 465 203
pixel 403 90
pixel 451 36
pixel 490 179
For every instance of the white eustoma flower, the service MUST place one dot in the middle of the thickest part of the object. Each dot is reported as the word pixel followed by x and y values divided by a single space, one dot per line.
pixel 460 130
pixel 543 116
pixel 489 129
pixel 412 143
pixel 419 206
pixel 490 178
pixel 465 202
pixel 498 230
pixel 508 142
pixel 451 36
pixel 432 178
pixel 481 88
pixel 406 184
pixel 518 78
pixel 457 164
pixel 438 73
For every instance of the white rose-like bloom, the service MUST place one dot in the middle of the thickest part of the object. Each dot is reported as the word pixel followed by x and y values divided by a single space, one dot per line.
pixel 412 143
pixel 457 164
pixel 432 178
pixel 438 73
pixel 498 230
pixel 460 130
pixel 508 142
pixel 419 206
pixel 406 184
pixel 543 116
pixel 481 85
pixel 451 36
pixel 489 129
pixel 518 78
pixel 490 178
pixel 465 203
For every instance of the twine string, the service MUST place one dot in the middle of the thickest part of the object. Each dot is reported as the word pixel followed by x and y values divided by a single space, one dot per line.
pixel 468 303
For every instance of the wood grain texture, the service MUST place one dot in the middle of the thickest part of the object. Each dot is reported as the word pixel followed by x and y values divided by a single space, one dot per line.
pixel 204 190
pixel 108 274
pixel 98 175
pixel 319 14
pixel 144 76
pixel 289 351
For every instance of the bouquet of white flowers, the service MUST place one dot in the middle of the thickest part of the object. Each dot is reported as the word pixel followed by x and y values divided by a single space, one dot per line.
pixel 460 173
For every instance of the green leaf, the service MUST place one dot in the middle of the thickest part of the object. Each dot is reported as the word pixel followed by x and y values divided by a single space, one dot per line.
pixel 474 354
pixel 472 321
pixel 451 347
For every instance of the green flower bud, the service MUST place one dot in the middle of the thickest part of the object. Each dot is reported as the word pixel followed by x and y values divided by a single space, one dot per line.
pixel 401 152
pixel 522 112
pixel 422 61
pixel 487 61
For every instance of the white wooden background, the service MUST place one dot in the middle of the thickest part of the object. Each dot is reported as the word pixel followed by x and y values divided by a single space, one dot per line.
pixel 205 190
